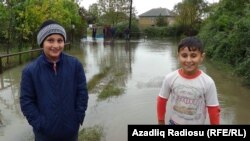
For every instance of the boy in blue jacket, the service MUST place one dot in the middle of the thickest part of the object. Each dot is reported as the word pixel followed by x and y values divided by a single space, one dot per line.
pixel 53 91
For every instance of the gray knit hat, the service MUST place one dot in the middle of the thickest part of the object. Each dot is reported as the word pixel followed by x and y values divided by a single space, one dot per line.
pixel 47 28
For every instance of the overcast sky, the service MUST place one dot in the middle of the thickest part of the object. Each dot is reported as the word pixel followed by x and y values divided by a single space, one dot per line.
pixel 144 5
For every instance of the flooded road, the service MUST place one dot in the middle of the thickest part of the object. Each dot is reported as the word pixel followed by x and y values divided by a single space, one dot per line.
pixel 138 69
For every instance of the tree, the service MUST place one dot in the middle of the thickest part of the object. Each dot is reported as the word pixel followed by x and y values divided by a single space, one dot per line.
pixel 160 21
pixel 226 35
pixel 21 19
pixel 189 14
pixel 93 14
pixel 114 11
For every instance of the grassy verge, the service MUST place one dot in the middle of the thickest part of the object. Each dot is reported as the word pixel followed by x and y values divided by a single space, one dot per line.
pixel 96 78
pixel 110 90
pixel 94 133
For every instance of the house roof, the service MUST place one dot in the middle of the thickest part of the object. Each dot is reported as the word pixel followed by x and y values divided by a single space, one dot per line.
pixel 157 12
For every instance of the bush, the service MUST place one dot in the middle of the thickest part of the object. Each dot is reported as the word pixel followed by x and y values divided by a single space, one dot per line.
pixel 121 27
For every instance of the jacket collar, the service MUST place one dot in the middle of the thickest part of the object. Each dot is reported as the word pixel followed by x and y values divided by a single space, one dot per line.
pixel 45 59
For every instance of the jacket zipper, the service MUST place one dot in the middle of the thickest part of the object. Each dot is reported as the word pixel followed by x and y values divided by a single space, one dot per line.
pixel 54 68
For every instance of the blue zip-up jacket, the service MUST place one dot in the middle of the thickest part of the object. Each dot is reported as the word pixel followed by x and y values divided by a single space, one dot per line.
pixel 54 101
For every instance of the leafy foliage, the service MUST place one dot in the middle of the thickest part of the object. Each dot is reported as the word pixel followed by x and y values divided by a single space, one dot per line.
pixel 21 19
pixel 226 35
pixel 189 14
pixel 121 27
pixel 161 22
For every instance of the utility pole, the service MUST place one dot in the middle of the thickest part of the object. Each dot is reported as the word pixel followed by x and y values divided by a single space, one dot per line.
pixel 130 17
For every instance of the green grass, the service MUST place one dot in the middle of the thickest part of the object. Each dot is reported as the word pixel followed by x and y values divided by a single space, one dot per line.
pixel 96 78
pixel 110 90
pixel 94 133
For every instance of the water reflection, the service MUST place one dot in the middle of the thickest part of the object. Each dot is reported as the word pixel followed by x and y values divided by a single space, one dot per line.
pixel 138 68
pixel 234 97
pixel 10 113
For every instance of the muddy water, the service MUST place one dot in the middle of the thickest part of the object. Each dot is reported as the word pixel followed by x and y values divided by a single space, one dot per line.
pixel 138 68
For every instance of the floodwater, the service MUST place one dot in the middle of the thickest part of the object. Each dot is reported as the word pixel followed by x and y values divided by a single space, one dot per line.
pixel 138 68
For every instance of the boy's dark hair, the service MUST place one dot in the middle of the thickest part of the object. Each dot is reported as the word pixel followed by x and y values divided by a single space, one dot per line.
pixel 193 44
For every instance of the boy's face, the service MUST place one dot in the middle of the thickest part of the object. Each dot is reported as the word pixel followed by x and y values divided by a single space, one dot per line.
pixel 190 60
pixel 53 45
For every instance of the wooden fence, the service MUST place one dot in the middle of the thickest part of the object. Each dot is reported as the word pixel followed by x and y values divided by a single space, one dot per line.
pixel 11 60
